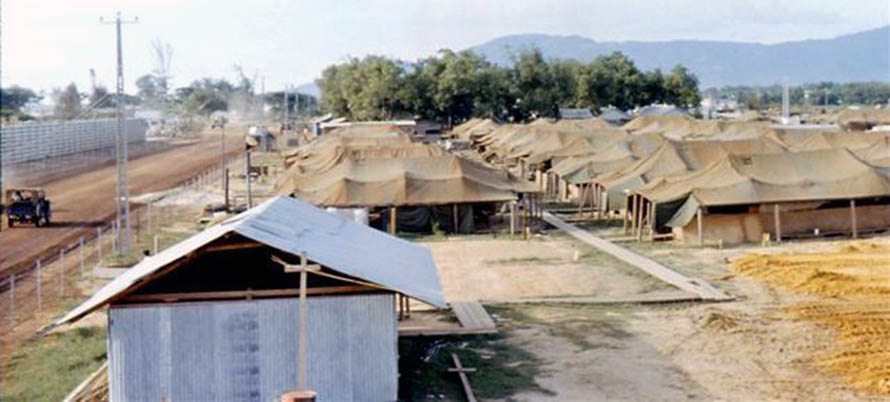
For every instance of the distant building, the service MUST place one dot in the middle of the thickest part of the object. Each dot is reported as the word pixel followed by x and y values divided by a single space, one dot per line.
pixel 614 116
pixel 660 110
pixel 216 318
pixel 575 113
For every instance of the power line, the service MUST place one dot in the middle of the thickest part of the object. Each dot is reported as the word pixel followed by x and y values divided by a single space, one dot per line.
pixel 123 189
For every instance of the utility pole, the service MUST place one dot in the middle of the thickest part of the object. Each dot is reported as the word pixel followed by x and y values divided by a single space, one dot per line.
pixel 285 110
pixel 123 189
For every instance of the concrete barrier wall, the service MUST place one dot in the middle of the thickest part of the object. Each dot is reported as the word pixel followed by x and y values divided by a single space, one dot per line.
pixel 29 142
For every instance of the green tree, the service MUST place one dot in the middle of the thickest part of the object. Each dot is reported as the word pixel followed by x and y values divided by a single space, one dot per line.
pixel 14 98
pixel 653 88
pixel 533 86
pixel 681 88
pixel 68 102
pixel 150 87
pixel 100 97
pixel 565 75
pixel 205 96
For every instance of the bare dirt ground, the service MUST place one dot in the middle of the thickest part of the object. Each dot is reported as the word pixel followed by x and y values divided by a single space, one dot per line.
pixel 82 201
pixel 509 269
pixel 751 349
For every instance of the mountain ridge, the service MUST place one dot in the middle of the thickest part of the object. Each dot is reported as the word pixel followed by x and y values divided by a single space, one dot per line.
pixel 859 56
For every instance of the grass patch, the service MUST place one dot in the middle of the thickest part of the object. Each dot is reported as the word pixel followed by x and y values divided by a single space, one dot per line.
pixel 47 368
pixel 145 240
pixel 502 369
pixel 576 324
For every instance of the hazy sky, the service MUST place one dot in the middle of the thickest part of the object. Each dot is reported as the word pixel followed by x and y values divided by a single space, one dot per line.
pixel 51 43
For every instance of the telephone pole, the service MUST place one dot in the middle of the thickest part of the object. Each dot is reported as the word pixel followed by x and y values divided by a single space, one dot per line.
pixel 123 189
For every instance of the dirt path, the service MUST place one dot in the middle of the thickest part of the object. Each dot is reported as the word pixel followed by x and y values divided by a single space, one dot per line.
pixel 83 201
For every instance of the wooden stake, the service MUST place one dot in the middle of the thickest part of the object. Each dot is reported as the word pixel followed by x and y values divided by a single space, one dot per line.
pixel 853 218
pixel 393 214
pixel 462 372
pixel 777 222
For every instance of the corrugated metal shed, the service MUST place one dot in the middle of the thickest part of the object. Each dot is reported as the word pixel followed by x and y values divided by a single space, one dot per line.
pixel 296 227
pixel 247 350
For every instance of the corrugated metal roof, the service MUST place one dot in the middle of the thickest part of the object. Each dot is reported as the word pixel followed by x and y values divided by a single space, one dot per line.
pixel 575 113
pixel 296 227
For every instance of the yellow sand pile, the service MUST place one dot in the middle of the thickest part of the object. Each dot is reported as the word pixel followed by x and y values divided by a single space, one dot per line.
pixel 857 276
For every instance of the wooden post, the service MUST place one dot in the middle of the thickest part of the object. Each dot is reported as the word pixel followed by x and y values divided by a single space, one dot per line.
pixel 638 214
pixel 303 269
pixel 652 215
pixel 148 220
pixel 582 193
pixel 624 223
pixel 633 214
pixel 604 202
pixel 304 311
pixel 226 189
pixel 247 178
pixel 512 217
pixel 698 218
pixel 454 218
pixel 643 217
pixel 777 222
pixel 155 244
pixel 393 213
pixel 853 218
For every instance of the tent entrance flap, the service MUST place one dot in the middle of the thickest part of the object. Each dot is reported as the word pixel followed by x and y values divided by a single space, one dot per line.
pixel 685 214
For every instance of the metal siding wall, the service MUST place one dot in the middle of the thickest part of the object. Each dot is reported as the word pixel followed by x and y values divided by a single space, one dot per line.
pixel 28 142
pixel 247 350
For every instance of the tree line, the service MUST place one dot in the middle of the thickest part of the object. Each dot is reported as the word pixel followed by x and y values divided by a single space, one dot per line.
pixel 454 86
pixel 815 94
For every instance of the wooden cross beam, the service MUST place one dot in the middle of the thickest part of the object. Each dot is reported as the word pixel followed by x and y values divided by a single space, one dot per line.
pixel 303 269
pixel 462 372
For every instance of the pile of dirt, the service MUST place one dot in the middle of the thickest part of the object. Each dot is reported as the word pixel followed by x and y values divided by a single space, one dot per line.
pixel 854 269
pixel 857 278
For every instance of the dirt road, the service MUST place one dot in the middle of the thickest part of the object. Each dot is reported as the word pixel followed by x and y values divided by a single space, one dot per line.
pixel 83 201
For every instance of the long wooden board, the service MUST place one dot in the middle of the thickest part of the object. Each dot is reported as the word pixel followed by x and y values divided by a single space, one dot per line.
pixel 693 285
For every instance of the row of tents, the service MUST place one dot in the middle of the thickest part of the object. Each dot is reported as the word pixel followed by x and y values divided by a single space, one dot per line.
pixel 384 170
pixel 704 179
